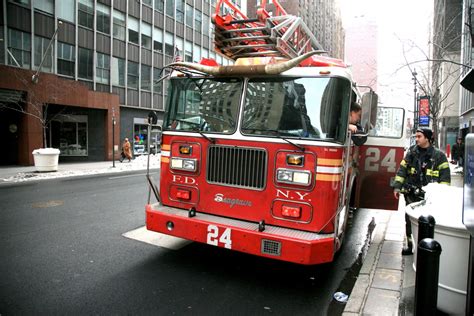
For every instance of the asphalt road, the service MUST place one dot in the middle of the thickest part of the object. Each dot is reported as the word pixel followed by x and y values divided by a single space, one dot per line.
pixel 62 252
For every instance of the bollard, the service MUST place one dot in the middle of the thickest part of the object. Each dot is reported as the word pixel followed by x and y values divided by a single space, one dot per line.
pixel 427 275
pixel 426 225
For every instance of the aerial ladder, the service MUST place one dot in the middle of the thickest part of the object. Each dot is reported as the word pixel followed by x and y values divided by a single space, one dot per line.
pixel 268 35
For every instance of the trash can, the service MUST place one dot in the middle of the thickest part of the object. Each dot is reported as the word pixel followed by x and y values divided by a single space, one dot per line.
pixel 444 203
pixel 46 159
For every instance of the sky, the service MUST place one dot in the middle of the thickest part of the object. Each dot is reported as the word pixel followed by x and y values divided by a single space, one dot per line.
pixel 401 25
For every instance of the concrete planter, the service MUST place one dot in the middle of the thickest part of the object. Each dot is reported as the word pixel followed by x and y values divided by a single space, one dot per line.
pixel 46 159
pixel 444 203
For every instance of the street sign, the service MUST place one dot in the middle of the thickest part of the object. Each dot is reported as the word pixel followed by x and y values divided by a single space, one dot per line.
pixel 424 121
pixel 424 110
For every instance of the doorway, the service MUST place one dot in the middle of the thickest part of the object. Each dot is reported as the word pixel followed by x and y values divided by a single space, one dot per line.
pixel 9 134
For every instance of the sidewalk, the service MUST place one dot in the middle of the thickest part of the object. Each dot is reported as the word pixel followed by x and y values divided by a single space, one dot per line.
pixel 18 174
pixel 386 281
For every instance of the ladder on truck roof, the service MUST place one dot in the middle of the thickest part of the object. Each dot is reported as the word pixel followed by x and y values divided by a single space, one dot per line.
pixel 281 35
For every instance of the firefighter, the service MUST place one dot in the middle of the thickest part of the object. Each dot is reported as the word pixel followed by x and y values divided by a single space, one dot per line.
pixel 422 164
pixel 354 118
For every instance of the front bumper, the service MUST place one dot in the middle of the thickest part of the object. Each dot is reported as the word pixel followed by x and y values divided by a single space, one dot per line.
pixel 274 242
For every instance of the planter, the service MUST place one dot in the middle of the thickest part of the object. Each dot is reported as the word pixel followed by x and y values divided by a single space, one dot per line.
pixel 46 159
pixel 444 203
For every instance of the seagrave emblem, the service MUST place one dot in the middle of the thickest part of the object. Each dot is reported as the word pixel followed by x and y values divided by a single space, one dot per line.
pixel 220 198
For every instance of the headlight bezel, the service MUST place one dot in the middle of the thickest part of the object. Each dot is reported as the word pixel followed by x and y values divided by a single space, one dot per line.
pixel 183 164
pixel 285 175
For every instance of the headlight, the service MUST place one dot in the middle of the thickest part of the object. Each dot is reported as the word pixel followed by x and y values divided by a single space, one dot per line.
pixel 285 175
pixel 183 164
pixel 294 176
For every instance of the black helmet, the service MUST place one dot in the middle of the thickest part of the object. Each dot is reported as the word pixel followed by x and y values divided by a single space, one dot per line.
pixel 427 132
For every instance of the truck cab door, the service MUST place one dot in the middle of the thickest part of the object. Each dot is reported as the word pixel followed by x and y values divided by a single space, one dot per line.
pixel 379 159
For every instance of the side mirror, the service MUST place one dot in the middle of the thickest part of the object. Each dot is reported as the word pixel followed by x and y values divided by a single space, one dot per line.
pixel 359 139
pixel 369 110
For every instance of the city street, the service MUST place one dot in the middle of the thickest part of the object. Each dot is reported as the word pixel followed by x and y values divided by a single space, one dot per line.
pixel 63 253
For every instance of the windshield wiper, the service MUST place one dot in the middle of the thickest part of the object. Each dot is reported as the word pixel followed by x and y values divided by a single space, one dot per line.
pixel 209 139
pixel 278 135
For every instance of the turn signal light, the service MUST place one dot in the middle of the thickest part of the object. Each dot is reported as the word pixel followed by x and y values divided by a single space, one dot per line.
pixel 295 160
pixel 185 150
pixel 291 211
pixel 183 194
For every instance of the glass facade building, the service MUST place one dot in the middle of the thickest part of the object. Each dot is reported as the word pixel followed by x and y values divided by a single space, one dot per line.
pixel 117 47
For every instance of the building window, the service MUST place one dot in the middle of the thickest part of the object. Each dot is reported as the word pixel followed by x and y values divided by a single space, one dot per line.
pixel 102 71
pixel 198 21
pixel 19 44
pixel 41 44
pixel 118 72
pixel 188 52
pixel 170 8
pixel 197 53
pixel 132 77
pixel 133 30
pixel 66 59
pixel 146 78
pixel 66 10
pixel 206 24
pixel 157 84
pixel 103 18
pixel 157 40
pixel 169 46
pixel 69 134
pixel 85 63
pixel 189 15
pixel 180 11
pixel 146 35
pixel 45 6
pixel 148 2
pixel 119 25
pixel 140 137
pixel 159 5
pixel 86 13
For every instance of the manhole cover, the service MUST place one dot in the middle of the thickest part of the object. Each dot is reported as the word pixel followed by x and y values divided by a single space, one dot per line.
pixel 51 203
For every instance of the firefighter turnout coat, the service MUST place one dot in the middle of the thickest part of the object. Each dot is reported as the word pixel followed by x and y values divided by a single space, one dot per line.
pixel 420 167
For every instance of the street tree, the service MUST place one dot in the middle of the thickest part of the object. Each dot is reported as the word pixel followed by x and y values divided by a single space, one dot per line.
pixel 438 72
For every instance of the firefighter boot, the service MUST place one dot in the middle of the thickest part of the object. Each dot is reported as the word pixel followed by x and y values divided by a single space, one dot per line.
pixel 408 250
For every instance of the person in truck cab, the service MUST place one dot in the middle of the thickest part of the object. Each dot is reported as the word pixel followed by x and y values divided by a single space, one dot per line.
pixel 422 164
pixel 354 118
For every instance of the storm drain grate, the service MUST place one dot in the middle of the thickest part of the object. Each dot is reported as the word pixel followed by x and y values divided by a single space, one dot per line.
pixel 271 247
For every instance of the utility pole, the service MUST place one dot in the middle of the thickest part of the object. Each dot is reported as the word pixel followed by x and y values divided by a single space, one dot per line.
pixel 415 105
pixel 113 137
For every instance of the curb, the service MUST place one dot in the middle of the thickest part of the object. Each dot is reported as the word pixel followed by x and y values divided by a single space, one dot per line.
pixel 5 182
pixel 378 288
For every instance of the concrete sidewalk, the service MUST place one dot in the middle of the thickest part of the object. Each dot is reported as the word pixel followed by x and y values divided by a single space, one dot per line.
pixel 386 281
pixel 18 174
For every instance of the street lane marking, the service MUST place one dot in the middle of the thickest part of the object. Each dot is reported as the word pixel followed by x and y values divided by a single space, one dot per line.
pixel 156 239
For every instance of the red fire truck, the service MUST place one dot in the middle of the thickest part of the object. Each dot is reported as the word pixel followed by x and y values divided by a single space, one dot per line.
pixel 256 156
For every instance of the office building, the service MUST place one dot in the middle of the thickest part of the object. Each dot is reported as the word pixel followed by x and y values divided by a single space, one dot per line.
pixel 77 66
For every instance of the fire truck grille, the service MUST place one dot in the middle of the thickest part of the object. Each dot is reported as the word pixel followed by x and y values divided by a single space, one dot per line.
pixel 271 247
pixel 236 166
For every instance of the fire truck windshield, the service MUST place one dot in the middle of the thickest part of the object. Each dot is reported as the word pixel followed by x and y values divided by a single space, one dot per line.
pixel 203 105
pixel 303 108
